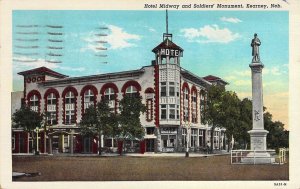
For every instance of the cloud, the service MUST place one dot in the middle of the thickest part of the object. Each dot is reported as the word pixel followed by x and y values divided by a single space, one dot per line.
pixel 117 38
pixel 209 34
pixel 231 20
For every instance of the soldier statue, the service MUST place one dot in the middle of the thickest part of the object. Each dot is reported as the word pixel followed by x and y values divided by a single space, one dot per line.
pixel 255 48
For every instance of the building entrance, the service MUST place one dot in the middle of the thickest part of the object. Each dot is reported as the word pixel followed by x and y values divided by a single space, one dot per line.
pixel 87 145
pixel 149 145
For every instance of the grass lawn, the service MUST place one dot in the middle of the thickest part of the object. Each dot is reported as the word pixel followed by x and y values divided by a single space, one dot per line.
pixel 58 168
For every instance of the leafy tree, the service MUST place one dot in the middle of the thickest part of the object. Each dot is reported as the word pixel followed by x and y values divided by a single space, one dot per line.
pixel 28 120
pixel 277 137
pixel 212 114
pixel 130 125
pixel 99 121
pixel 230 113
pixel 245 123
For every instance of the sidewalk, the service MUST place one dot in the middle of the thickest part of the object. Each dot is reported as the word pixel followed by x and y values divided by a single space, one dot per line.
pixel 147 154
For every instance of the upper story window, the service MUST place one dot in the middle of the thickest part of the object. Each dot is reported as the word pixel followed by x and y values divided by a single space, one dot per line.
pixel 131 91
pixel 109 94
pixel 163 59
pixel 172 60
pixel 163 89
pixel 186 93
pixel 89 96
pixel 34 100
pixel 171 89
pixel 51 99
pixel 194 97
pixel 163 112
pixel 70 98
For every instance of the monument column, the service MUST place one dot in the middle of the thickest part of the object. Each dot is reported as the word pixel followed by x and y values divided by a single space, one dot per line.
pixel 258 135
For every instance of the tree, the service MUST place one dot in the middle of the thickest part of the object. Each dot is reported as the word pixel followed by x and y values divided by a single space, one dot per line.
pixel 28 120
pixel 99 121
pixel 277 137
pixel 212 114
pixel 230 114
pixel 130 125
pixel 245 124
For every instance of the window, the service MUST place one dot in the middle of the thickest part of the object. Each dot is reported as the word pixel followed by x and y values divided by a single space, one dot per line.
pixel 177 112
pixel 109 94
pixel 163 114
pixel 163 59
pixel 193 137
pixel 89 98
pixel 51 119
pixel 171 89
pixel 163 89
pixel 202 100
pixel 149 111
pixel 168 140
pixel 201 138
pixel 51 99
pixel 70 108
pixel 51 109
pixel 70 116
pixel 131 91
pixel 194 107
pixel 34 102
pixel 186 104
pixel 172 60
pixel 172 111
pixel 186 93
pixel 69 98
pixel 150 130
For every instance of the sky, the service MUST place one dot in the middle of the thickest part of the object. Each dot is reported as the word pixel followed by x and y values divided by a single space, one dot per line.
pixel 214 42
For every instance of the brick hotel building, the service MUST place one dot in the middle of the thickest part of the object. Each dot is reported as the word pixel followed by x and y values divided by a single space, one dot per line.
pixel 174 98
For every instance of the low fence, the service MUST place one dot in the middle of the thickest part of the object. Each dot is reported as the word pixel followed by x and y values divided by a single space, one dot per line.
pixel 242 157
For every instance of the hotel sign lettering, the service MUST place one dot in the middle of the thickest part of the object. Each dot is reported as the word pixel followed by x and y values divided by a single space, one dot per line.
pixel 170 52
pixel 168 130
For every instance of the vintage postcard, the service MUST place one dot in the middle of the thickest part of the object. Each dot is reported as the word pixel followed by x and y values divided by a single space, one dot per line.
pixel 134 94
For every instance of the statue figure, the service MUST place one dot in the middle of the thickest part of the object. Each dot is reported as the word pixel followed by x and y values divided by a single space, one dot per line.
pixel 255 48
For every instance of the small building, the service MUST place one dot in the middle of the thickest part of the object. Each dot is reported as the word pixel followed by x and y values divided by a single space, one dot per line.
pixel 174 98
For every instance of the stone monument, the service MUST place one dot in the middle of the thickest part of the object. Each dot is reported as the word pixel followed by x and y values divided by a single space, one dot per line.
pixel 258 134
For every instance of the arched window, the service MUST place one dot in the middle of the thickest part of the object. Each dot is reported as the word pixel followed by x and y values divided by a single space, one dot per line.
pixel 186 93
pixel 51 109
pixel 89 98
pixel 34 103
pixel 202 100
pixel 131 91
pixel 110 96
pixel 70 108
pixel 131 88
pixel 33 99
pixel 194 105
pixel 51 97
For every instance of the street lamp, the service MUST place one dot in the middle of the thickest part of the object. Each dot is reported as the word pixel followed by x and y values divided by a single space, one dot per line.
pixel 188 128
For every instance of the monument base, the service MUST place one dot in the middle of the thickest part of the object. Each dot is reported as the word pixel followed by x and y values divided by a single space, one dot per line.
pixel 258 146
pixel 258 158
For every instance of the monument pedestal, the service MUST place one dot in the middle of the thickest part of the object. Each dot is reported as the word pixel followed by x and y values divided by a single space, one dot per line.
pixel 259 155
